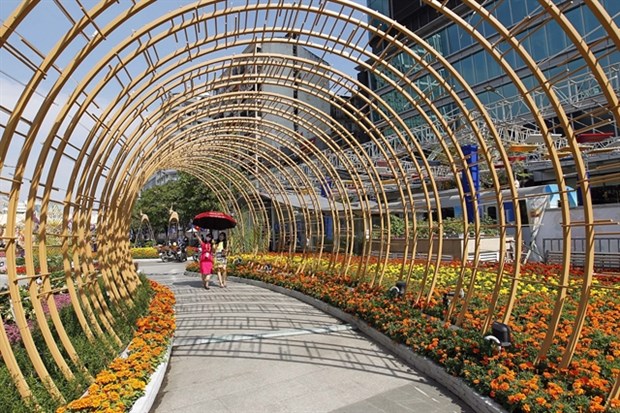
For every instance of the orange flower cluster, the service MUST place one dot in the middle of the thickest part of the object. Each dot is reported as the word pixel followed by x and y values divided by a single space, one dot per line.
pixel 117 388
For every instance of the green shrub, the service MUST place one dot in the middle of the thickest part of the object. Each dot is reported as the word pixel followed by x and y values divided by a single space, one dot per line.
pixel 453 227
pixel 94 356
pixel 397 227
pixel 10 399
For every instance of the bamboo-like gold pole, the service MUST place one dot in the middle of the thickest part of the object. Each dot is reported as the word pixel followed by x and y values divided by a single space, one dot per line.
pixel 108 167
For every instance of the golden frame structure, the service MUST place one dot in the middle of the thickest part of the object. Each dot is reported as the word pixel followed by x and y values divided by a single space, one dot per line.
pixel 173 96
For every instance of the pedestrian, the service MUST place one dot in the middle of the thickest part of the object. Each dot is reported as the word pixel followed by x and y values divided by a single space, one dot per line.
pixel 221 251
pixel 206 259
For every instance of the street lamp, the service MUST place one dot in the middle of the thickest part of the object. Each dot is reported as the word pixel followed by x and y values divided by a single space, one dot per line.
pixel 500 335
pixel 398 290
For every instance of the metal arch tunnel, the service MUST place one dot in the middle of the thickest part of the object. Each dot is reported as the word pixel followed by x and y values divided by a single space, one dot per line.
pixel 164 91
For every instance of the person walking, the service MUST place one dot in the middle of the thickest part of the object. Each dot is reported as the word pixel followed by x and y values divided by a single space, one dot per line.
pixel 206 259
pixel 221 251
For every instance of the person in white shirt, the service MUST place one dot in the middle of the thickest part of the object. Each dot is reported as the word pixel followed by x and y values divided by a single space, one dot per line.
pixel 221 251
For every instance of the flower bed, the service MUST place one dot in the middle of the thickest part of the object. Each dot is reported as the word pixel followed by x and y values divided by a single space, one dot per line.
pixel 193 267
pixel 12 331
pixel 191 251
pixel 152 252
pixel 122 383
pixel 146 252
pixel 509 376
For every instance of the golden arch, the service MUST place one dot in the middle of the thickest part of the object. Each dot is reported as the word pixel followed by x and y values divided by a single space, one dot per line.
pixel 154 82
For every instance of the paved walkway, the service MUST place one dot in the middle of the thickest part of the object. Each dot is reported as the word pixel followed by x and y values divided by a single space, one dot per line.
pixel 247 349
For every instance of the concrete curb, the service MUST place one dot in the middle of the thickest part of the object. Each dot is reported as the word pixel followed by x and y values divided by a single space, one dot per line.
pixel 144 403
pixel 477 402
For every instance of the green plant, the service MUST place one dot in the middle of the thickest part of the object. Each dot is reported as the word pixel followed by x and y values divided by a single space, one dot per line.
pixel 423 230
pixel 54 262
pixel 6 309
pixel 454 227
pixel 57 278
pixel 188 195
pixel 397 226
pixel 193 267
pixel 9 396
pixel 94 355
pixel 122 382
pixel 488 226
pixel 126 315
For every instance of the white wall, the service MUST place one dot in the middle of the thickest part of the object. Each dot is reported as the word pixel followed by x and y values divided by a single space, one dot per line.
pixel 320 107
pixel 552 226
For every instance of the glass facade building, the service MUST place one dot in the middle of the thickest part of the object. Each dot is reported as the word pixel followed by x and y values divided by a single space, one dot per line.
pixel 541 36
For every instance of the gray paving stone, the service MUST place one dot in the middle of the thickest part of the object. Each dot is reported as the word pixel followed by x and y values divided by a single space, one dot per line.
pixel 306 372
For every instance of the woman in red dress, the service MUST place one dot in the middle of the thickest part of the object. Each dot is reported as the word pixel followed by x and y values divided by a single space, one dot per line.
pixel 206 259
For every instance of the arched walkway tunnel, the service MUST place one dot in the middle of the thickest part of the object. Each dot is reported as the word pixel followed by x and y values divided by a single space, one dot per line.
pixel 321 126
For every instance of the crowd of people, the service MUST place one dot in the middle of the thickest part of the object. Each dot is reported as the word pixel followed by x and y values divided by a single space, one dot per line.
pixel 213 258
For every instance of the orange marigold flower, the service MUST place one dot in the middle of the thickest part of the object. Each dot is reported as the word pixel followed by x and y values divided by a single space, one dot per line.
pixel 516 398
pixel 595 405
pixel 541 401
pixel 554 390
pixel 125 377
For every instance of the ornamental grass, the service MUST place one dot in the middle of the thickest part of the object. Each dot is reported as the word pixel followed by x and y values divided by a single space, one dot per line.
pixel 509 376
pixel 116 388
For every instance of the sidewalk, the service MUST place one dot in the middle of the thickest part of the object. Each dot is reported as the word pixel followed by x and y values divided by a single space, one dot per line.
pixel 247 349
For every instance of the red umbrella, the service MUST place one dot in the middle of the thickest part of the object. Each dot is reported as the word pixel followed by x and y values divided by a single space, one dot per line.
pixel 214 220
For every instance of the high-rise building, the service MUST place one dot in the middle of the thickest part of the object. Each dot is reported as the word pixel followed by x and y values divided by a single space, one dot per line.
pixel 555 54
pixel 286 81
pixel 161 177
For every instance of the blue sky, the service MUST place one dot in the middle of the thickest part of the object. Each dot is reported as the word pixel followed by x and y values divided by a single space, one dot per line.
pixel 42 30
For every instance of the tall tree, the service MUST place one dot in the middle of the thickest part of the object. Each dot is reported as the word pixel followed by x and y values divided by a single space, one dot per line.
pixel 188 196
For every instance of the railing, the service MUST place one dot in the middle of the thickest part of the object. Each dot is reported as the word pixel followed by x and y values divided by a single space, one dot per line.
pixel 506 114
pixel 603 261
pixel 579 244
pixel 577 92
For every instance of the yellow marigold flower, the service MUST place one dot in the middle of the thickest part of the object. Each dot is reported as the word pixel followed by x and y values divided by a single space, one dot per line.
pixel 137 384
